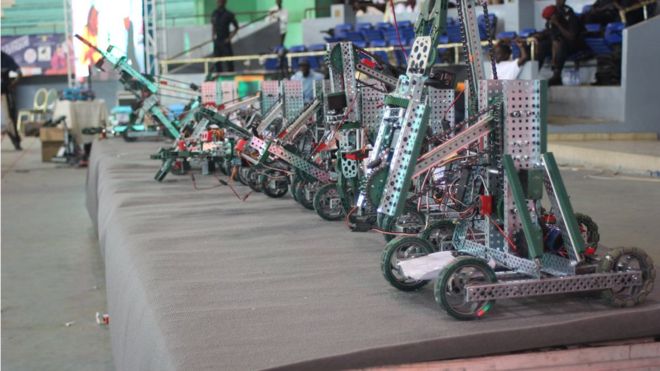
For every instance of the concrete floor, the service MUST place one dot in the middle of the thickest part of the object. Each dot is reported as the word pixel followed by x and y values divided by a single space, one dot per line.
pixel 52 272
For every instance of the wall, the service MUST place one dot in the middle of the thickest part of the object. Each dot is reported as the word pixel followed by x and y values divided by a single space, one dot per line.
pixel 106 90
pixel 296 9
pixel 641 75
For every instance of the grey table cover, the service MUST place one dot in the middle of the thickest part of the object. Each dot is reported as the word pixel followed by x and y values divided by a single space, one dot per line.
pixel 198 280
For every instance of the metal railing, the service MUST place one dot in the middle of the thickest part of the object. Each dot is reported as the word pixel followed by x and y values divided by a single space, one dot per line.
pixel 644 4
pixel 260 58
pixel 206 18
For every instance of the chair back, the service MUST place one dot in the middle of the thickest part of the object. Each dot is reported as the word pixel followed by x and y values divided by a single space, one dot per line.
pixel 40 102
pixel 51 99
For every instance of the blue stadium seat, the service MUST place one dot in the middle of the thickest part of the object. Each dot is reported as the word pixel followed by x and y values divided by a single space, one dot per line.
pixel 360 43
pixel 398 54
pixel 454 33
pixel 273 64
pixel 363 26
pixel 527 32
pixel 592 28
pixel 372 35
pixel 405 24
pixel 614 33
pixel 342 29
pixel 384 26
pixel 442 39
pixel 507 35
pixel 296 60
pixel 481 21
pixel 381 54
pixel 598 45
pixel 354 36
pixel 315 62
pixel 407 33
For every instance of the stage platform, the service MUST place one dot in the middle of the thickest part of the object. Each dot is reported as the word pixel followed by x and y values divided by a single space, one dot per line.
pixel 199 280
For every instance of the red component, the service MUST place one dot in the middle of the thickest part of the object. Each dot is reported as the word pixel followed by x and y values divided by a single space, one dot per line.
pixel 590 250
pixel 486 204
pixel 550 219
pixel 368 62
pixel 282 135
pixel 221 107
pixel 208 136
pixel 240 145
pixel 356 156
pixel 209 105
pixel 320 148
pixel 181 145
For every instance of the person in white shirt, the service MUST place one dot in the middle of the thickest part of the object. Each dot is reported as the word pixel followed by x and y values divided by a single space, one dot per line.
pixel 277 14
pixel 307 76
pixel 508 69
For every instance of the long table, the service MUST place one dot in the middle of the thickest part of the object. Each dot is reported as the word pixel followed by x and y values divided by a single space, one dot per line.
pixel 197 279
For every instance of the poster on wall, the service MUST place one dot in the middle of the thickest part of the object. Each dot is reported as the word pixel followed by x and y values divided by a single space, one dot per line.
pixel 104 23
pixel 37 54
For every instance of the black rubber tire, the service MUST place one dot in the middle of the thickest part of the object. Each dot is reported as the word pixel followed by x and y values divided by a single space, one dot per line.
pixel 637 295
pixel 253 180
pixel 443 282
pixel 308 203
pixel 242 174
pixel 446 229
pixel 294 187
pixel 401 245
pixel 164 170
pixel 319 203
pixel 593 237
pixel 277 192
pixel 392 222
pixel 221 167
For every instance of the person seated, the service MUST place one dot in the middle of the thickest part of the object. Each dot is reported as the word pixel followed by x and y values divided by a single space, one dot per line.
pixel 307 76
pixel 603 12
pixel 507 68
pixel 362 8
pixel 560 39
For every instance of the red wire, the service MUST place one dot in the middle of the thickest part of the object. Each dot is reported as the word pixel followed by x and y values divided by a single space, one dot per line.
pixel 444 116
pixel 398 36
pixel 513 246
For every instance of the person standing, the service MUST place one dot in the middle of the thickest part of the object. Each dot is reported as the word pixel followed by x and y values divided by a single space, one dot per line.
pixel 221 19
pixel 307 76
pixel 8 98
pixel 276 13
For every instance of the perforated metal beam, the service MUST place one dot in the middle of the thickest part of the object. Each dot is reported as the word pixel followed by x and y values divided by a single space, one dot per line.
pixel 552 286
pixel 455 144
pixel 294 160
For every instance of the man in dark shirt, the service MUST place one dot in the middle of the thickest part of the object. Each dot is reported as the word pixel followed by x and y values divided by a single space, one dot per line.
pixel 8 99
pixel 560 39
pixel 221 19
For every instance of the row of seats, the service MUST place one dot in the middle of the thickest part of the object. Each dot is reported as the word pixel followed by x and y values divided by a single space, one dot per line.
pixel 363 34
pixel 600 40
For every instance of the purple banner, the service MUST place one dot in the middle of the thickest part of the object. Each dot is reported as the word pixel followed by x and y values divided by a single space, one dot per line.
pixel 37 54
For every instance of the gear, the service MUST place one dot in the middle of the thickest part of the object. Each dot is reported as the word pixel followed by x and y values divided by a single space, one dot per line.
pixel 375 186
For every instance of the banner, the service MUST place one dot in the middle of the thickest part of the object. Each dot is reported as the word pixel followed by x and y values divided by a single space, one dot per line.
pixel 37 54
pixel 104 23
